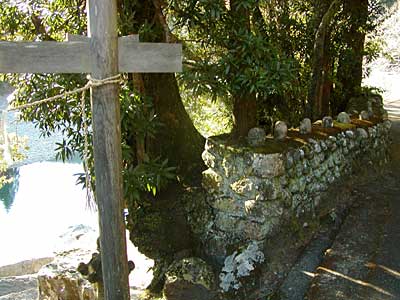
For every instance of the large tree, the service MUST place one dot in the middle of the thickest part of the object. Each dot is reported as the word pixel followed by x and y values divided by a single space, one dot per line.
pixel 322 59
pixel 349 73
pixel 161 147
pixel 232 53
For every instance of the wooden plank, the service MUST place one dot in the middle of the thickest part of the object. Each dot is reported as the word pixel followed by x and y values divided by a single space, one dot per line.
pixel 74 57
pixel 135 57
pixel 150 57
pixel 102 22
pixel 44 57
pixel 81 38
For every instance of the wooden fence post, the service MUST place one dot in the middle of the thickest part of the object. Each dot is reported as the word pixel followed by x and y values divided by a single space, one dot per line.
pixel 102 18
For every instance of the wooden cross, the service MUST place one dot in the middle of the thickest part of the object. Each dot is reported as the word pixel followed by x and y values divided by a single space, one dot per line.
pixel 103 55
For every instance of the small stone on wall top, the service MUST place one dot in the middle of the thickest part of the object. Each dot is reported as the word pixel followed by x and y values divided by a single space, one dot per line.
pixel 327 122
pixel 280 131
pixel 344 117
pixel 256 137
pixel 364 115
pixel 305 126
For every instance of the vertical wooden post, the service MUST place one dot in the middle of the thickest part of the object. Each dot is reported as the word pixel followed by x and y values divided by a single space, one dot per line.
pixel 102 25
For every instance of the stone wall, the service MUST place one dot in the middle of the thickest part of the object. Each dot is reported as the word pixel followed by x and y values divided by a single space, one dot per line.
pixel 253 192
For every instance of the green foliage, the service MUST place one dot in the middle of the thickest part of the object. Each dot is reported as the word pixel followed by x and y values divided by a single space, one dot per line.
pixel 230 47
pixel 51 20
pixel 223 59
pixel 149 176
pixel 209 117
pixel 258 47
pixel 138 121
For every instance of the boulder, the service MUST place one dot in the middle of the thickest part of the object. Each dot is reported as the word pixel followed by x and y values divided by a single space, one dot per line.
pixel 344 117
pixel 256 137
pixel 60 278
pixel 280 131
pixel 189 278
pixel 31 266
pixel 305 126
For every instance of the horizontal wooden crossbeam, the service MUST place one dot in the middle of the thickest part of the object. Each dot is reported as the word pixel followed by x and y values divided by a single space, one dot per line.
pixel 74 57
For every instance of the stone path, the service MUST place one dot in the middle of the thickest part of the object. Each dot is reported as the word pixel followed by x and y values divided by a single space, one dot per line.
pixel 364 260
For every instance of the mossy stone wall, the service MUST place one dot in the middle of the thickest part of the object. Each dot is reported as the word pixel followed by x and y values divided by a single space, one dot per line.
pixel 252 193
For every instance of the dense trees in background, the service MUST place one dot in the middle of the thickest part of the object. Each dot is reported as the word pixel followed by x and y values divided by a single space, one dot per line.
pixel 266 60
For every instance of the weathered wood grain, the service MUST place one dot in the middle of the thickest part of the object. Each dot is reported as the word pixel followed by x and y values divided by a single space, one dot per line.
pixel 44 57
pixel 102 20
pixel 74 56
pixel 82 38
pixel 149 57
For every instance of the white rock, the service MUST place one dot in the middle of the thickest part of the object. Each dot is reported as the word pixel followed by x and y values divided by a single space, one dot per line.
pixel 60 278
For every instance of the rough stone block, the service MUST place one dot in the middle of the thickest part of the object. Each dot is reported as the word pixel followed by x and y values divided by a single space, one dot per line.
pixel 268 165
pixel 212 181
pixel 271 189
pixel 244 187
pixel 189 278
pixel 209 159
pixel 60 279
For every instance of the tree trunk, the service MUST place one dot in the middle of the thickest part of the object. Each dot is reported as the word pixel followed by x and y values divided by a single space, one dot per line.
pixel 178 140
pixel 159 227
pixel 244 103
pixel 351 59
pixel 319 85
pixel 244 115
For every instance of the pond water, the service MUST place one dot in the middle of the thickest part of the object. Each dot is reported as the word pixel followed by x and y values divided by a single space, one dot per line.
pixel 42 201
pixel 41 204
